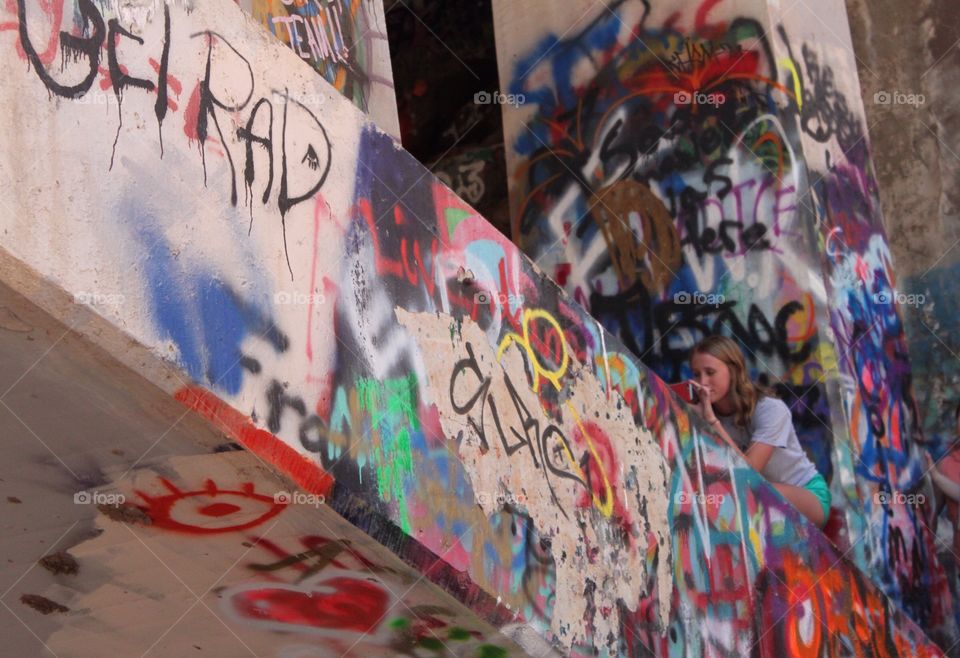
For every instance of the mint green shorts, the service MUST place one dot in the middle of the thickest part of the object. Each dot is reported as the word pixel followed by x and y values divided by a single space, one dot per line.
pixel 818 487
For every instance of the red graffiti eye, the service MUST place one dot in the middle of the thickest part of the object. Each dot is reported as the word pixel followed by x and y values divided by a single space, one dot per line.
pixel 219 509
pixel 209 510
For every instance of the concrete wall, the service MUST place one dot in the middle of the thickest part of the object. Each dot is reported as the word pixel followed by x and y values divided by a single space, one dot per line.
pixel 126 546
pixel 910 92
pixel 247 241
pixel 345 42
pixel 692 168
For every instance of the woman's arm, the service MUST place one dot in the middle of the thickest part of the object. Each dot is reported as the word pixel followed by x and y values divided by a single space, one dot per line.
pixel 757 455
pixel 720 431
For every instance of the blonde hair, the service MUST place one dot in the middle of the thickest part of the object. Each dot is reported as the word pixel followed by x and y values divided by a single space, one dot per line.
pixel 743 393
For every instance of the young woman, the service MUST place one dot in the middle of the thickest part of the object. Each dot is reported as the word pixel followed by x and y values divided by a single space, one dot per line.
pixel 757 424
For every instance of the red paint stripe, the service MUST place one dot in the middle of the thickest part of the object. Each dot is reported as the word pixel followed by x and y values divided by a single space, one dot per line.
pixel 303 471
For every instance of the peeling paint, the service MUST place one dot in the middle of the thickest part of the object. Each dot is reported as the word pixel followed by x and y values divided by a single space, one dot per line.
pixel 594 549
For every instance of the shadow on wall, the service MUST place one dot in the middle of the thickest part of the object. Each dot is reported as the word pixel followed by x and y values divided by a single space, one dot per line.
pixel 934 330
pixel 933 327
pixel 446 118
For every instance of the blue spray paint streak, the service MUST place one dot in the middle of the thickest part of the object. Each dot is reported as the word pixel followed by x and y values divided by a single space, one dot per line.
pixel 201 314
pixel 564 56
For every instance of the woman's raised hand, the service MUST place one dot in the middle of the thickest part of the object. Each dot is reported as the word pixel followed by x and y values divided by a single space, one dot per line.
pixel 704 406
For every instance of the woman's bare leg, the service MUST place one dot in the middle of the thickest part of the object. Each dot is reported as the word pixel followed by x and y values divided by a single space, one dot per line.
pixel 808 504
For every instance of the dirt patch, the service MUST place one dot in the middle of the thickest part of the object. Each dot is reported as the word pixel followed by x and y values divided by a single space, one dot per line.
pixel 59 563
pixel 42 604
pixel 230 446
pixel 125 514
pixel 13 499
pixel 11 322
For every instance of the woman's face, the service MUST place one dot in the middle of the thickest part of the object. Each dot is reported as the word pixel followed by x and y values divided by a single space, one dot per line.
pixel 710 371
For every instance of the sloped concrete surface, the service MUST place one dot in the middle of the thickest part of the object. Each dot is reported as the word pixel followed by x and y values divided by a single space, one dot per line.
pixel 211 551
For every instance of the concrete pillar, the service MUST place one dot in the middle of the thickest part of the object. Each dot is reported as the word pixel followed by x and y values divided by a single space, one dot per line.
pixel 704 167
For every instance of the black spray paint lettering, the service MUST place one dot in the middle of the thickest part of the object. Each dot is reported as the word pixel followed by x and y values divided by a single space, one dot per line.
pixel 760 335
pixel 207 103
pixel 70 45
pixel 470 363
pixel 311 159
pixel 308 146
pixel 550 445
pixel 313 432
pixel 662 331
pixel 279 400
pixel 310 138
pixel 120 79
pixel 89 47
pixel 249 170
pixel 740 234
pixel 160 107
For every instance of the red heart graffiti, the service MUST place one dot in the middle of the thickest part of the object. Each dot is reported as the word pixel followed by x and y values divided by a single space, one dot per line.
pixel 339 603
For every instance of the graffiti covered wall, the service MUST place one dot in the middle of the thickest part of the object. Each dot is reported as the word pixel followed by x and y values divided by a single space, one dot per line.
pixel 338 311
pixel 911 104
pixel 664 192
pixel 345 41
pixel 694 168
pixel 866 319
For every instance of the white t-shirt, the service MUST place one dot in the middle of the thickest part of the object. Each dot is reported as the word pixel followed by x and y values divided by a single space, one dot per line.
pixel 771 424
